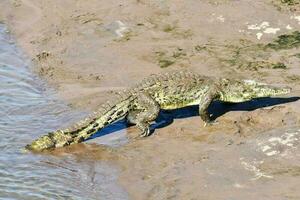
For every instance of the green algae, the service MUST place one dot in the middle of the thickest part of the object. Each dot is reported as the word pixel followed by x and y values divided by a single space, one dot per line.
pixel 290 2
pixel 247 55
pixel 244 55
pixel 200 48
pixel 278 65
pixel 256 65
pixel 297 55
pixel 178 53
pixel 168 58
pixel 163 63
pixel 163 59
pixel 169 28
pixel 293 78
pixel 176 31
pixel 286 41
pixel 241 54
pixel 183 33
pixel 283 5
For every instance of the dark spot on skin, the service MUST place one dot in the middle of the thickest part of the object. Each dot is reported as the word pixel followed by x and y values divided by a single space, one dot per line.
pixel 105 123
pixel 73 132
pixel 91 131
pixel 95 125
pixel 119 112
pixel 109 119
pixel 113 113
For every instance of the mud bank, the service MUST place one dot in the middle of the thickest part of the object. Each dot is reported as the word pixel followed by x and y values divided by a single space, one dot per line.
pixel 88 49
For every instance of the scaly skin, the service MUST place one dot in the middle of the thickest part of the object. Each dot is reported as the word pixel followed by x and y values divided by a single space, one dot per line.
pixel 141 104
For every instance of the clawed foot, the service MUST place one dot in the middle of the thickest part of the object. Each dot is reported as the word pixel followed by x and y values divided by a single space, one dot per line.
pixel 146 132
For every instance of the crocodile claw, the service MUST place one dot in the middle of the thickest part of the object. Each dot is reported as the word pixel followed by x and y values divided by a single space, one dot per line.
pixel 146 132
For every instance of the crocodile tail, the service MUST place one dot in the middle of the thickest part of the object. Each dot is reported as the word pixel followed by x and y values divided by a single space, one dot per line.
pixel 107 114
pixel 99 120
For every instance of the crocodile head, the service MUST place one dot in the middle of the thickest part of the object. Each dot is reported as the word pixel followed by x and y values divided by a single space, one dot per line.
pixel 243 90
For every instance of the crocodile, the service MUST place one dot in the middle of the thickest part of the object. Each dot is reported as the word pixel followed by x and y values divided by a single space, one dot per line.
pixel 141 103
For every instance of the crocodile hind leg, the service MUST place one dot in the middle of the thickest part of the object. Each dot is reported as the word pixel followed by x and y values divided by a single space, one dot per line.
pixel 132 115
pixel 205 101
pixel 146 112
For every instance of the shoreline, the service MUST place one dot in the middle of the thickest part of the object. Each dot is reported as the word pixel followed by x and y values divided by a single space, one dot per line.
pixel 85 50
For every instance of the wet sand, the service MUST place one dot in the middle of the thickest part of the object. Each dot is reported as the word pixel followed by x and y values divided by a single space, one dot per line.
pixel 88 49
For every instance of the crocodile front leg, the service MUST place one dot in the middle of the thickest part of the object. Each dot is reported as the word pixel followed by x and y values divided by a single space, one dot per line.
pixel 204 103
pixel 146 112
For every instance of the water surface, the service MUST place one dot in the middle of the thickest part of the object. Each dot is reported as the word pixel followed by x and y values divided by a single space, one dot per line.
pixel 28 111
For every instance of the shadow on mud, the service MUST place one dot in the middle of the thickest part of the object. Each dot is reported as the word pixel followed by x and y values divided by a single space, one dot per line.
pixel 216 109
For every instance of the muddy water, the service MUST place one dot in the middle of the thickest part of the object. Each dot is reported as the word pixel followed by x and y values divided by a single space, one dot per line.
pixel 27 111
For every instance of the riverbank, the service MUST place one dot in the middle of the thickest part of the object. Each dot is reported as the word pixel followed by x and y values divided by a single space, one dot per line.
pixel 88 49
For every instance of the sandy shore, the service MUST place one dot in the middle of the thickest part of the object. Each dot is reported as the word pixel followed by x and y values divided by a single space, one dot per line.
pixel 88 49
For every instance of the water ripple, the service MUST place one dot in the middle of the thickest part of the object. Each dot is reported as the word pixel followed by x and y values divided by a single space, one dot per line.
pixel 28 111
